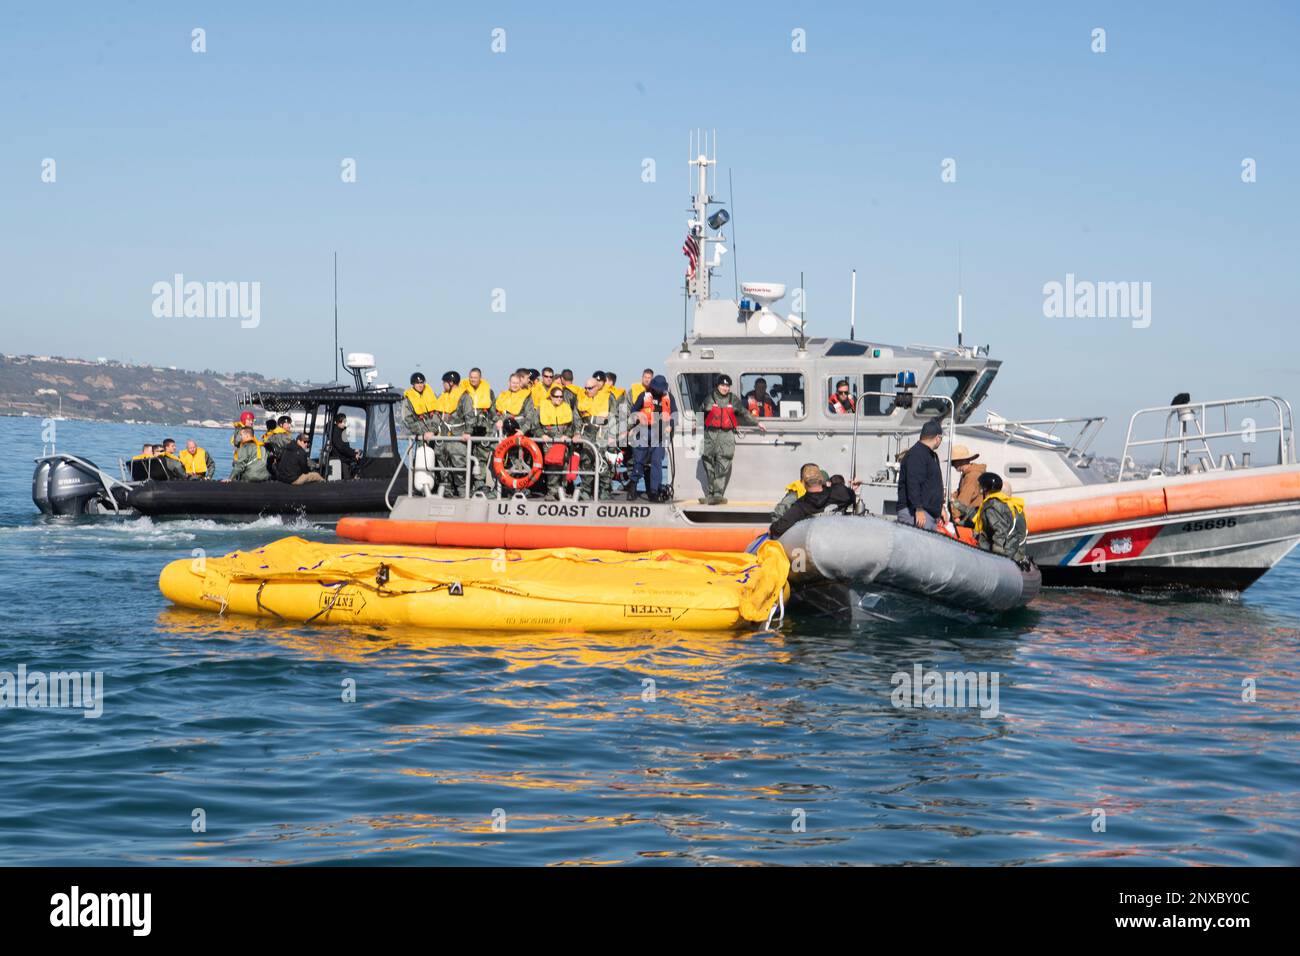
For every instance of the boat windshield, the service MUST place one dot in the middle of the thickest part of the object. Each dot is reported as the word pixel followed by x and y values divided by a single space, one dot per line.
pixel 379 432
pixel 976 394
pixel 949 382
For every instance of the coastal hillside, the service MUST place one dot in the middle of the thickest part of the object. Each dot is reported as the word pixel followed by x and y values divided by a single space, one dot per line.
pixel 106 390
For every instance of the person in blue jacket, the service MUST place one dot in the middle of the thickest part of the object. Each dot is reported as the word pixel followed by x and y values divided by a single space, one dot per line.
pixel 920 481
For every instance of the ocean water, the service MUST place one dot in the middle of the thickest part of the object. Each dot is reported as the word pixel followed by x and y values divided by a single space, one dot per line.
pixel 225 740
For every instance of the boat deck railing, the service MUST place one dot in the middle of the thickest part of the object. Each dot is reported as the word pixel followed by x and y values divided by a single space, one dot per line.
pixel 1081 432
pixel 440 473
pixel 1187 447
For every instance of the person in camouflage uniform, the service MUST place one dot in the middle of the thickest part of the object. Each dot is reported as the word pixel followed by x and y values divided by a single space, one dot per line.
pixel 999 522
pixel 554 423
pixel 480 420
pixel 597 410
pixel 722 413
pixel 418 415
pixel 455 416
pixel 250 460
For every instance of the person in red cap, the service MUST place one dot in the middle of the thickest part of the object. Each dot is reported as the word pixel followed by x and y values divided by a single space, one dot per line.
pixel 246 419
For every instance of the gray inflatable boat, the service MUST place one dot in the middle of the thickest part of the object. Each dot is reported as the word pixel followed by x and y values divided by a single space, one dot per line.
pixel 869 568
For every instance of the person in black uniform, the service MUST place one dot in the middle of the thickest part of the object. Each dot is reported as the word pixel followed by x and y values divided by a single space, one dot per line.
pixel 920 481
pixel 293 466
pixel 339 447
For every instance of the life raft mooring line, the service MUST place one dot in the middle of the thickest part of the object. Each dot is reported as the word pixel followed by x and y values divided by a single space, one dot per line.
pixel 263 607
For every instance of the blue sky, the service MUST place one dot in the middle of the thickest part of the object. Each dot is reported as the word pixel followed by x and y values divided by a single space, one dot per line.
pixel 522 171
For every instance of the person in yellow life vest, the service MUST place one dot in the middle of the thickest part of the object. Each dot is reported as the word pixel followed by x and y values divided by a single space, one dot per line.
pixel 611 383
pixel 418 412
pixel 599 426
pixel 479 420
pixel 633 393
pixel 143 465
pixel 246 419
pixel 999 521
pixel 512 407
pixel 797 489
pixel 455 413
pixel 723 414
pixel 198 463
pixel 276 439
pixel 556 424
pixel 541 388
pixel 250 459
pixel 571 391
pixel 479 389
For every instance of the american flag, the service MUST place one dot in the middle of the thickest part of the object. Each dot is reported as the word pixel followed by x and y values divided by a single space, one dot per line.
pixel 691 250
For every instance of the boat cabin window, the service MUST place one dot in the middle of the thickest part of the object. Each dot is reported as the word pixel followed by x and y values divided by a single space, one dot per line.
pixel 773 394
pixel 950 383
pixel 694 388
pixel 780 394
pixel 877 405
pixel 379 436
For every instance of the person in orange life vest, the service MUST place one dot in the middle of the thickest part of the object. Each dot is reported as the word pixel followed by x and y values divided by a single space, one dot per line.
pixel 651 430
pixel 841 401
pixel 627 416
pixel 723 414
pixel 760 402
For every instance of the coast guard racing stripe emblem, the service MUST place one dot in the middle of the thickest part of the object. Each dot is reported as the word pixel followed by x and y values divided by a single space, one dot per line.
pixel 1111 546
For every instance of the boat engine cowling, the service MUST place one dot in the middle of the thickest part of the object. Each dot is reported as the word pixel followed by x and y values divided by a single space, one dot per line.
pixel 62 485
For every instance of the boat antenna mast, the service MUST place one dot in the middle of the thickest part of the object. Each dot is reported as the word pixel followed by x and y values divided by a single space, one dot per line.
pixel 959 329
pixel 853 303
pixel 704 228
pixel 337 358
pixel 803 319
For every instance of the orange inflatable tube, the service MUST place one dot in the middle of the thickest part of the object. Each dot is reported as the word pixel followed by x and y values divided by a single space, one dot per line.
pixel 1206 495
pixel 486 534
pixel 1181 498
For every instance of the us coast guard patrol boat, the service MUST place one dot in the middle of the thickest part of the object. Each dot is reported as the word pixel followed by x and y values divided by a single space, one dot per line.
pixel 1218 506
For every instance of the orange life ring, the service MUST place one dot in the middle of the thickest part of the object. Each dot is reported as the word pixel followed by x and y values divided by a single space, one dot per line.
pixel 517 482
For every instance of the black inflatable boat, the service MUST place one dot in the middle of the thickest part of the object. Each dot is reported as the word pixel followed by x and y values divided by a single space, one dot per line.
pixel 66 484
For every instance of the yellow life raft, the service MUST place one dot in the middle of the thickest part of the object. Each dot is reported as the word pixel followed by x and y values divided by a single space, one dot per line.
pixel 478 589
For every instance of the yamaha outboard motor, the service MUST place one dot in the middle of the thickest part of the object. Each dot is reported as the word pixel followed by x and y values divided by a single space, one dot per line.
pixel 63 485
